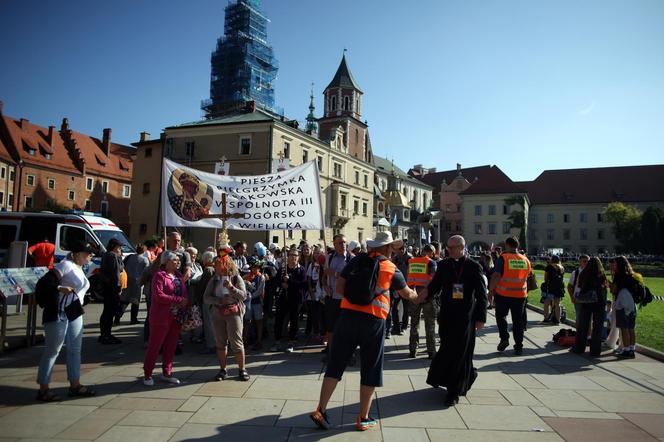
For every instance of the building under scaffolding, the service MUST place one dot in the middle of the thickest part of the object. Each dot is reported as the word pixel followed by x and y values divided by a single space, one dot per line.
pixel 243 64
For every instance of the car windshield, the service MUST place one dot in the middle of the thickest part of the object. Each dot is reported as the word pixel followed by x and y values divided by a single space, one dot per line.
pixel 106 235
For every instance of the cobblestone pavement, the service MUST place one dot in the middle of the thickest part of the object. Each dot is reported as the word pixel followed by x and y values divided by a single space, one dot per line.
pixel 547 394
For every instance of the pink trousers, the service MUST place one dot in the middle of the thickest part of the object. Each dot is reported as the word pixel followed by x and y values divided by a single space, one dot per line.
pixel 165 335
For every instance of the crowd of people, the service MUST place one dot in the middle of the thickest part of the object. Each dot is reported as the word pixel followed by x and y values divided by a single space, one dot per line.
pixel 246 299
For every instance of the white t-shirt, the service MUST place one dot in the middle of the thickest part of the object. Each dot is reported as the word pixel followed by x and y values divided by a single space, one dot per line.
pixel 315 272
pixel 71 275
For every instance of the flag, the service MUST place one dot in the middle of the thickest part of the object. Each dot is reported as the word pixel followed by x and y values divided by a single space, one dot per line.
pixel 394 220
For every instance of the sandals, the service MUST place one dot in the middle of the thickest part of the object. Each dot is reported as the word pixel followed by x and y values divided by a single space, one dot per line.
pixel 48 396
pixel 222 375
pixel 243 375
pixel 81 390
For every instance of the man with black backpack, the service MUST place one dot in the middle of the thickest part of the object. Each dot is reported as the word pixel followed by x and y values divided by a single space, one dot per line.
pixel 336 262
pixel 365 284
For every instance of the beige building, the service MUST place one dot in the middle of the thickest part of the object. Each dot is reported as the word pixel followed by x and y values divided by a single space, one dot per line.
pixel 486 219
pixel 250 140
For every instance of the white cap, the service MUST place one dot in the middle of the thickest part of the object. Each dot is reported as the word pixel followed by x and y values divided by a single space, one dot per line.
pixel 353 245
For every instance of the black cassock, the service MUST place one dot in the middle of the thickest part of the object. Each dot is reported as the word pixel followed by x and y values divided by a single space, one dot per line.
pixel 452 366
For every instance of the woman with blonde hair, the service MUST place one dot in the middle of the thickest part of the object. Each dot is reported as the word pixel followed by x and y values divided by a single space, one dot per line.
pixel 224 296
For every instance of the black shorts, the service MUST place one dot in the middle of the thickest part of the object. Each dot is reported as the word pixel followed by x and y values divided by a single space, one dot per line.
pixel 332 308
pixel 358 329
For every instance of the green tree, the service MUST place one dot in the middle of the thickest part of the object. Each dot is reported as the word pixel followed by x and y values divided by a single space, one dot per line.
pixel 651 234
pixel 626 225
pixel 517 218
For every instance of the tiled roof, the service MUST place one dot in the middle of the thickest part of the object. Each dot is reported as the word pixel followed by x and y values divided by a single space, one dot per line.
pixel 98 162
pixel 597 185
pixel 483 179
pixel 385 166
pixel 4 153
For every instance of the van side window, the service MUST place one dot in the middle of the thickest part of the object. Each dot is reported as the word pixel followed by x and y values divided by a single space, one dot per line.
pixel 69 234
pixel 7 236
pixel 35 228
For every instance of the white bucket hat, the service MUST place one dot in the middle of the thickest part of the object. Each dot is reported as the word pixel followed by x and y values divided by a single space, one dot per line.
pixel 383 239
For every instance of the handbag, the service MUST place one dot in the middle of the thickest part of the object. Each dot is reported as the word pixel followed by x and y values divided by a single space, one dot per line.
pixel 531 282
pixel 587 297
pixel 229 309
pixel 188 317
pixel 74 309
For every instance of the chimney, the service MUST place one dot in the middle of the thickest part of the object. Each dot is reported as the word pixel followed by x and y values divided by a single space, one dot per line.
pixel 106 141
pixel 458 167
pixel 51 130
pixel 145 136
pixel 65 125
pixel 22 123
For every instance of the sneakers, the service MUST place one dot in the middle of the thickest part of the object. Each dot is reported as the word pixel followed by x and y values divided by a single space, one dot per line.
pixel 221 375
pixel 171 379
pixel 289 348
pixel 518 350
pixel 148 382
pixel 320 418
pixel 503 345
pixel 627 354
pixel 365 424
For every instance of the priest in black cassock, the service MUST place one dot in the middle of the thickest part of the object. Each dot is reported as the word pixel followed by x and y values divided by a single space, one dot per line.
pixel 462 287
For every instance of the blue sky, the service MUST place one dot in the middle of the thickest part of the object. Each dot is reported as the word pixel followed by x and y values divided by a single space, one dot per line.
pixel 527 85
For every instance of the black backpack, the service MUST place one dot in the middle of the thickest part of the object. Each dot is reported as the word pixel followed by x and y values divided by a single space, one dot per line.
pixel 46 290
pixel 641 294
pixel 361 278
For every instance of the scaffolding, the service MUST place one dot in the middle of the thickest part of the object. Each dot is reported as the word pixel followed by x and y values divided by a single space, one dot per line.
pixel 243 65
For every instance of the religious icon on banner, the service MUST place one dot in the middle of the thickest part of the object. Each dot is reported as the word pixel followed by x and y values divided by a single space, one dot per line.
pixel 280 164
pixel 222 166
pixel 189 198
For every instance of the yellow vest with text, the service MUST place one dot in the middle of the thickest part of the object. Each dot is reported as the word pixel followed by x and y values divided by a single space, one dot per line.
pixel 514 281
pixel 418 272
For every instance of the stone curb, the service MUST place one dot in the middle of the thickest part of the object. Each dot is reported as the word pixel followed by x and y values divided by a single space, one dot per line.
pixel 650 352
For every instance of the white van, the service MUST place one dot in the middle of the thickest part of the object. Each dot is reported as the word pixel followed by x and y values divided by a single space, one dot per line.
pixel 61 230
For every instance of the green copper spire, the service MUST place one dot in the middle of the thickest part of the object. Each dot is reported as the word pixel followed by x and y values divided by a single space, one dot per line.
pixel 312 124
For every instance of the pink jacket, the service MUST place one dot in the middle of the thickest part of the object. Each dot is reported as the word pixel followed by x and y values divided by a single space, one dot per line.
pixel 163 297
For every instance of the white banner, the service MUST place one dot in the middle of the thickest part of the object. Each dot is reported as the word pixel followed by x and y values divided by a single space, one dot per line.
pixel 288 200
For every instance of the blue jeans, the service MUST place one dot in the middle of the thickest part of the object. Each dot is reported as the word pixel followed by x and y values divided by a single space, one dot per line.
pixel 58 333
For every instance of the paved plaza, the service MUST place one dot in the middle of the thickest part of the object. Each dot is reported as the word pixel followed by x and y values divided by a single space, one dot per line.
pixel 547 394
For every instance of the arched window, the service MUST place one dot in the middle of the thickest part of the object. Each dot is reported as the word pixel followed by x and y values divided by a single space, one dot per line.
pixel 346 103
pixel 357 136
pixel 333 103
pixel 405 214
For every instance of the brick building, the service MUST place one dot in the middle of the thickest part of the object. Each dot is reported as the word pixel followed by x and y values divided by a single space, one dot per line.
pixel 47 169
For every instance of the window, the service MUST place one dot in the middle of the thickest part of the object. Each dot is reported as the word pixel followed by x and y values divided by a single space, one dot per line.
pixel 534 235
pixel 32 152
pixel 104 186
pixel 478 210
pixel 143 229
pixel 550 218
pixel 50 183
pixel 366 181
pixel 492 228
pixel 600 234
pixel 245 146
pixel 321 234
pixel 365 209
pixel 89 184
pixel 126 190
pixel 566 218
pixel 30 180
pixel 71 195
pixel 2 197
pixel 342 202
pixel 190 149
pixel 406 214
pixel 305 156
pixel 549 234
pixel 304 234
pixel 583 234
pixel 28 202
pixel 356 207
pixel 333 103
pixel 534 218
pixel 10 200
pixel 88 205
pixel 506 228
pixel 478 228
pixel 146 187
pixel 104 209
pixel 600 217
pixel 3 172
pixel 319 162
pixel 148 154
pixel 337 170
pixel 506 209
pixel 583 217
pixel 286 149
pixel 48 156
pixel 12 175
pixel 492 209
pixel 357 177
pixel 290 234
pixel 346 103
pixel 567 234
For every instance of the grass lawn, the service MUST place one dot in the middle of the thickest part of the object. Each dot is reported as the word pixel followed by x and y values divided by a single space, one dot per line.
pixel 649 319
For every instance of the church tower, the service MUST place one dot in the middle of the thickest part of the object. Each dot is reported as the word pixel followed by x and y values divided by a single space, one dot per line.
pixel 343 109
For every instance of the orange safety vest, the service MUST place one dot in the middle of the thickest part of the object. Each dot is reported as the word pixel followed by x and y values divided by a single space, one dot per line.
pixel 380 306
pixel 418 272
pixel 514 280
